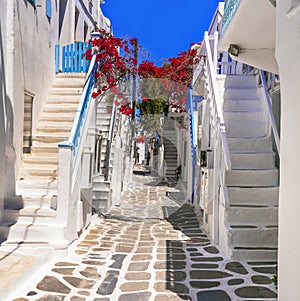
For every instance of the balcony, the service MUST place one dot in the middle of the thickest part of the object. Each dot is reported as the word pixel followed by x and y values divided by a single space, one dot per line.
pixel 251 25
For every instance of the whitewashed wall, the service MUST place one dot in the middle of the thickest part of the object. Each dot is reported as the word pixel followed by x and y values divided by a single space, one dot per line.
pixel 288 58
pixel 28 39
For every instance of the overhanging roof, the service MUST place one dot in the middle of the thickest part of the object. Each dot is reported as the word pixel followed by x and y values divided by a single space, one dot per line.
pixel 253 29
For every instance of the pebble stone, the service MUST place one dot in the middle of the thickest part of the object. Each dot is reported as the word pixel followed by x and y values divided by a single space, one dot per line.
pixel 151 247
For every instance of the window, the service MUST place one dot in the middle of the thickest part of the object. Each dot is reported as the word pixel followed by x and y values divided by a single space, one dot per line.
pixel 49 8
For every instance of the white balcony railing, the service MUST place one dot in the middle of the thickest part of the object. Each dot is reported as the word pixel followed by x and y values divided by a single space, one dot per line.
pixel 230 9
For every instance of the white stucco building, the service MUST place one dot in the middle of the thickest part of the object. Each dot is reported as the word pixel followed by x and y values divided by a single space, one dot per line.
pixel 265 34
pixel 29 33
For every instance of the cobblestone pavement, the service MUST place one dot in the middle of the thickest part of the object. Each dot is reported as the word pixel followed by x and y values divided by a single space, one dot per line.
pixel 150 249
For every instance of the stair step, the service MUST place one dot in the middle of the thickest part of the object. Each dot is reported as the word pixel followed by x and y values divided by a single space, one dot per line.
pixel 252 160
pixel 36 187
pixel 44 151
pixel 243 116
pixel 30 216
pixel 30 171
pixel 57 118
pixel 40 160
pixel 65 91
pixel 72 83
pixel 241 105
pixel 34 233
pixel 252 178
pixel 254 216
pixel 55 130
pixel 255 254
pixel 250 145
pixel 254 237
pixel 241 81
pixel 246 129
pixel 263 196
pixel 71 75
pixel 240 93
pixel 50 138
pixel 58 108
pixel 31 201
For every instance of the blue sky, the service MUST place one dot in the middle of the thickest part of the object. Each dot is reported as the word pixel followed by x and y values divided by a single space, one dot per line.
pixel 163 27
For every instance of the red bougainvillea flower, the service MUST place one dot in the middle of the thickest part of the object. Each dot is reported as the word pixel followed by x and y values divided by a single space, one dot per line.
pixel 144 99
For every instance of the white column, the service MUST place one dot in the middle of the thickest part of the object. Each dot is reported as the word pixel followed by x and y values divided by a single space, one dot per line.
pixel 288 58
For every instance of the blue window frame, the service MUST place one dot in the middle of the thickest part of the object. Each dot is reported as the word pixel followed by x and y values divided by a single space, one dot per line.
pixel 49 9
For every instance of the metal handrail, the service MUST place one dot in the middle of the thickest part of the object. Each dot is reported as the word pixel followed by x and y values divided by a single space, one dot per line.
pixel 270 111
pixel 82 107
pixel 211 73
pixel 109 141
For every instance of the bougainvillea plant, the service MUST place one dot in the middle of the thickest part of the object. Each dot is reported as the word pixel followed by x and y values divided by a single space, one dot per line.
pixel 116 63
pixel 175 77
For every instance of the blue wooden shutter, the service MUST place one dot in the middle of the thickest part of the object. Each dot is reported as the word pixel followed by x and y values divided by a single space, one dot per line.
pixel 48 9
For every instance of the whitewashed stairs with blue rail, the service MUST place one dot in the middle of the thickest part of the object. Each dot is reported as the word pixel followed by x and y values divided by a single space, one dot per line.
pixel 249 223
pixel 30 217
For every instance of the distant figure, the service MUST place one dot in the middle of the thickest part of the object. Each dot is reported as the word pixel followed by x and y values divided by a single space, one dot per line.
pixel 137 155
pixel 148 158
pixel 178 172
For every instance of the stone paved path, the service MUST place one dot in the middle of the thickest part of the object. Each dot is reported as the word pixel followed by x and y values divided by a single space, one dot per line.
pixel 150 249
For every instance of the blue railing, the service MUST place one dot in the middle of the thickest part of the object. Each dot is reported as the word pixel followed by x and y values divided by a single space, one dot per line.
pixel 190 111
pixel 82 108
pixel 230 9
pixel 71 58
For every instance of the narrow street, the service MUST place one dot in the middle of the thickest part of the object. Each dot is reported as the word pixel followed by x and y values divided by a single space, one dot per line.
pixel 149 249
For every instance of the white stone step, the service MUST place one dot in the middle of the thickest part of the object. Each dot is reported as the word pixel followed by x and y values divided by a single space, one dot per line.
pixel 263 144
pixel 241 81
pixel 252 178
pixel 252 216
pixel 72 83
pixel 66 99
pixel 255 254
pixel 40 160
pixel 36 187
pixel 58 117
pixel 44 151
pixel 60 107
pixel 35 233
pixel 30 216
pixel 241 105
pixel 54 128
pixel 38 170
pixel 246 129
pixel 50 138
pixel 256 196
pixel 32 201
pixel 71 75
pixel 243 116
pixel 102 121
pixel 254 237
pixel 252 160
pixel 65 91
pixel 240 93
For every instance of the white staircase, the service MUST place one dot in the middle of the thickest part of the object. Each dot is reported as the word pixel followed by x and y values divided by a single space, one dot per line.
pixel 30 217
pixel 101 186
pixel 170 149
pixel 249 228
